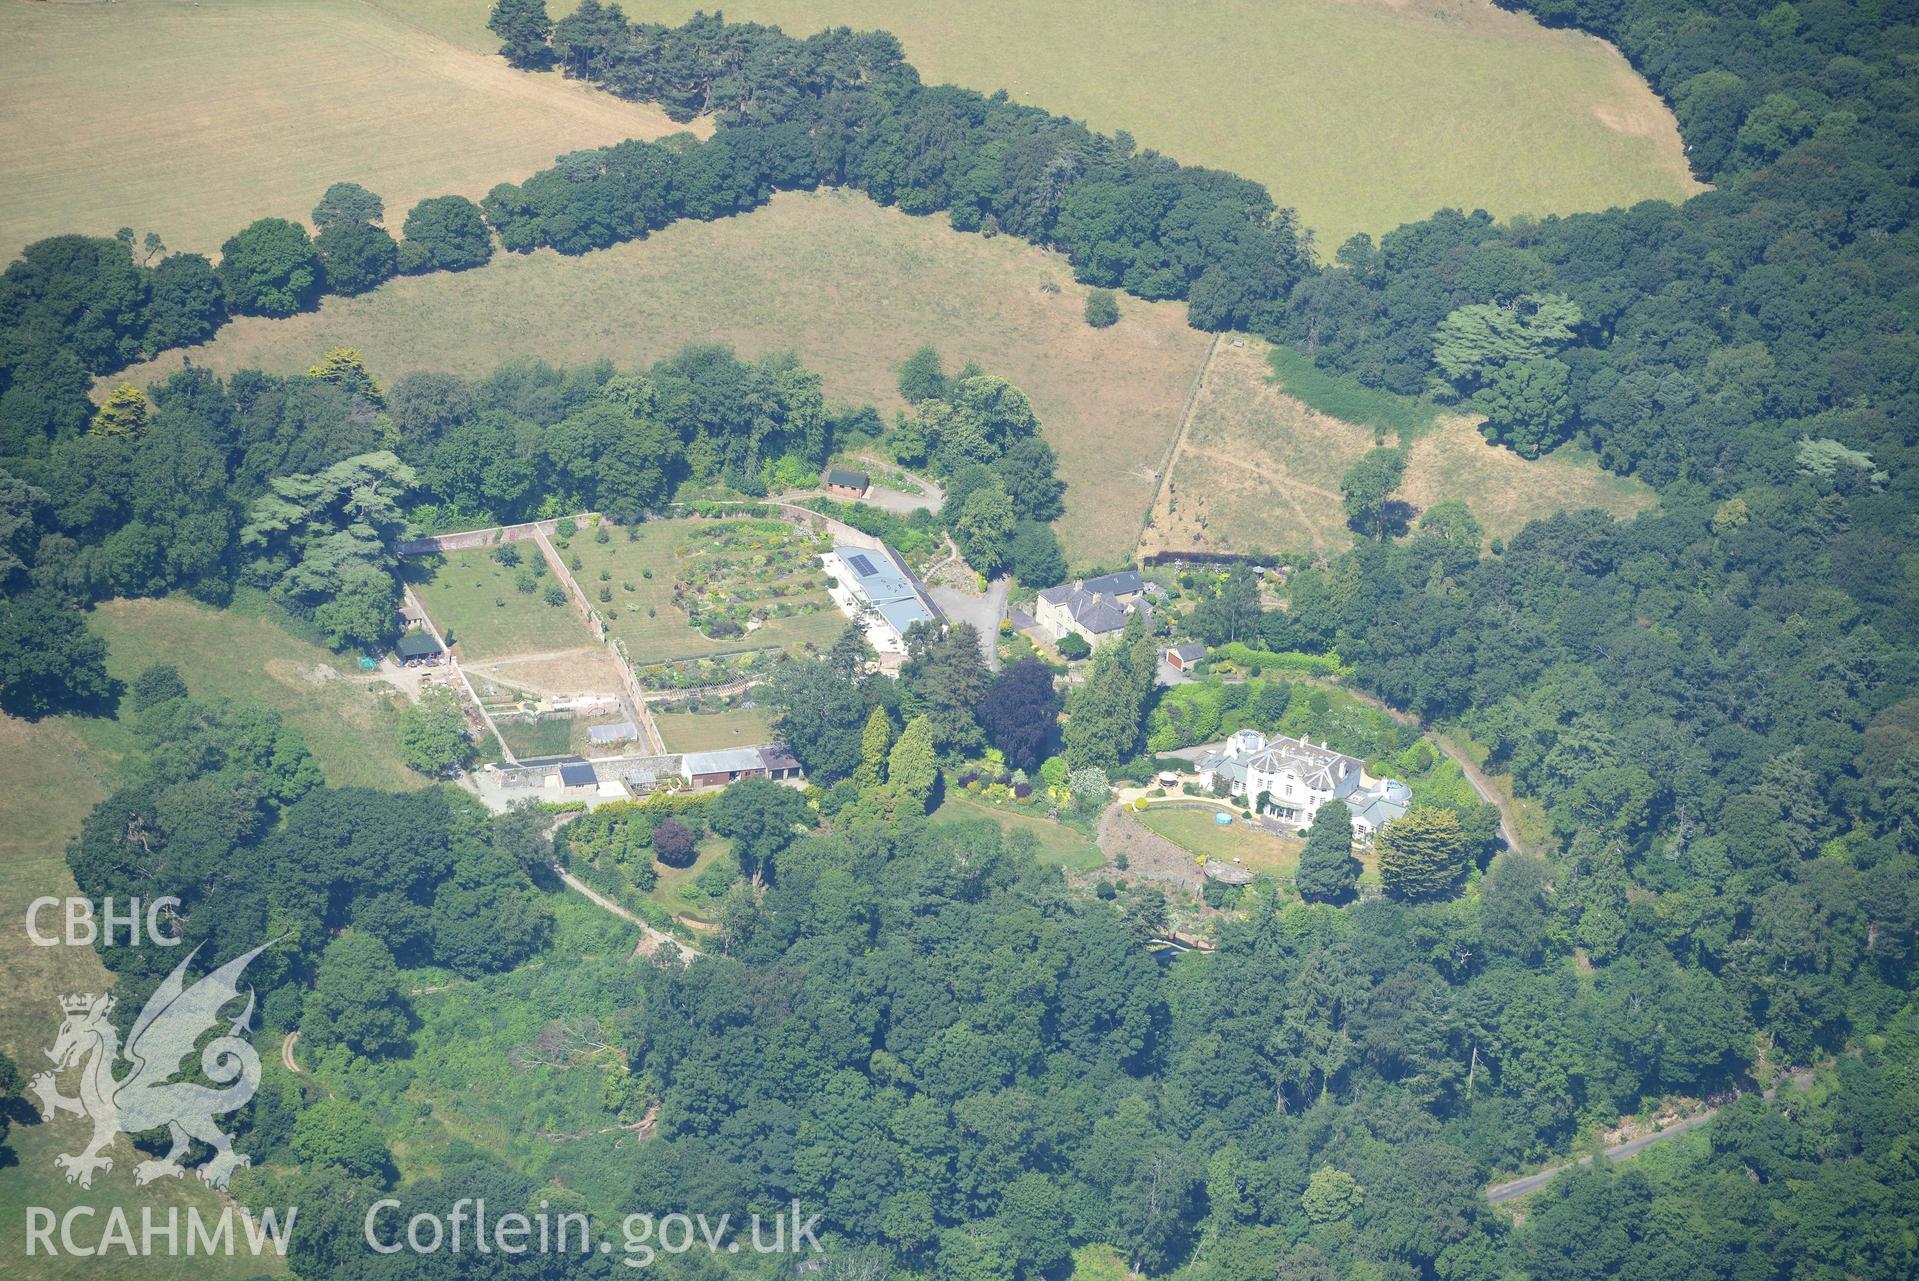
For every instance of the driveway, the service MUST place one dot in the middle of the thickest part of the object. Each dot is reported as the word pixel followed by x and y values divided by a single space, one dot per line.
pixel 983 612
pixel 930 497
pixel 898 502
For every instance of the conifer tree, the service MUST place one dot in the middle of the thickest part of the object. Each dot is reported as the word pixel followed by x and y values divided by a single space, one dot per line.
pixel 1328 873
pixel 1423 855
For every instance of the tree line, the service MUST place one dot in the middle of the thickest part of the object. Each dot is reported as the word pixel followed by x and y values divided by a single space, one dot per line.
pixel 304 485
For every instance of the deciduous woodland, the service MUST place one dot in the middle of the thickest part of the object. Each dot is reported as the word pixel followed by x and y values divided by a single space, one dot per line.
pixel 960 1057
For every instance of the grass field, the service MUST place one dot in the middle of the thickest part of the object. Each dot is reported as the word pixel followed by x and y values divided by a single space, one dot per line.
pixel 711 731
pixel 53 778
pixel 1362 114
pixel 1058 843
pixel 1259 471
pixel 56 771
pixel 194 117
pixel 853 288
pixel 348 721
pixel 1197 830
pixel 59 768
pixel 473 600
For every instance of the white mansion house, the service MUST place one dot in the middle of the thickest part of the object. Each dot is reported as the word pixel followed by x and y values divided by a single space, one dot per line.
pixel 1290 779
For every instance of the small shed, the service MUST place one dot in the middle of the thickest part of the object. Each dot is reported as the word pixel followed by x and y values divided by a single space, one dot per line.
pixel 1185 656
pixel 844 482
pixel 779 762
pixel 417 645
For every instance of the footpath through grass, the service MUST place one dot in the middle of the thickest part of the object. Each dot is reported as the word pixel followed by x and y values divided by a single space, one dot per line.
pixel 1271 438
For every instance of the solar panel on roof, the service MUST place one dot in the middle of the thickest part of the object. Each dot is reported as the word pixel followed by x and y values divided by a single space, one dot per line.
pixel 861 565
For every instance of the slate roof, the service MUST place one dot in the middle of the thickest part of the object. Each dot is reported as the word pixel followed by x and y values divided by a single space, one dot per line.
pixel 416 645
pixel 847 478
pixel 578 774
pixel 1189 651
pixel 1097 613
pixel 1125 583
pixel 1383 803
pixel 1317 767
pixel 775 756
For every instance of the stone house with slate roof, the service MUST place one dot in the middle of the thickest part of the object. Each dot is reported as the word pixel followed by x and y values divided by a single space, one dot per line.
pixel 1093 609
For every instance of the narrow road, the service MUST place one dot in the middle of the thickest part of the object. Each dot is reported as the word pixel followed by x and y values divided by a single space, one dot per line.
pixel 1508 825
pixel 1617 1152
pixel 286 1052
pixel 650 938
pixel 1476 777
pixel 1631 1147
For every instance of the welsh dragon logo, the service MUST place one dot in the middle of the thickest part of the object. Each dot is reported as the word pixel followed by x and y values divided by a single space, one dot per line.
pixel 147 1098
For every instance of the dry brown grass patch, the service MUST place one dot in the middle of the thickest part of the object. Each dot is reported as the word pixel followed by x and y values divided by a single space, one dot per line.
pixel 194 119
pixel 852 287
pixel 1259 471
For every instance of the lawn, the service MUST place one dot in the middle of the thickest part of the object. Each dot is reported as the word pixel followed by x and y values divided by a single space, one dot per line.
pixel 711 731
pixel 1258 470
pixel 849 286
pixel 1199 830
pixel 53 778
pixel 687 554
pixel 1362 114
pixel 1504 490
pixel 57 769
pixel 477 605
pixel 35 1181
pixel 193 119
pixel 1058 843
pixel 348 719
pixel 676 891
